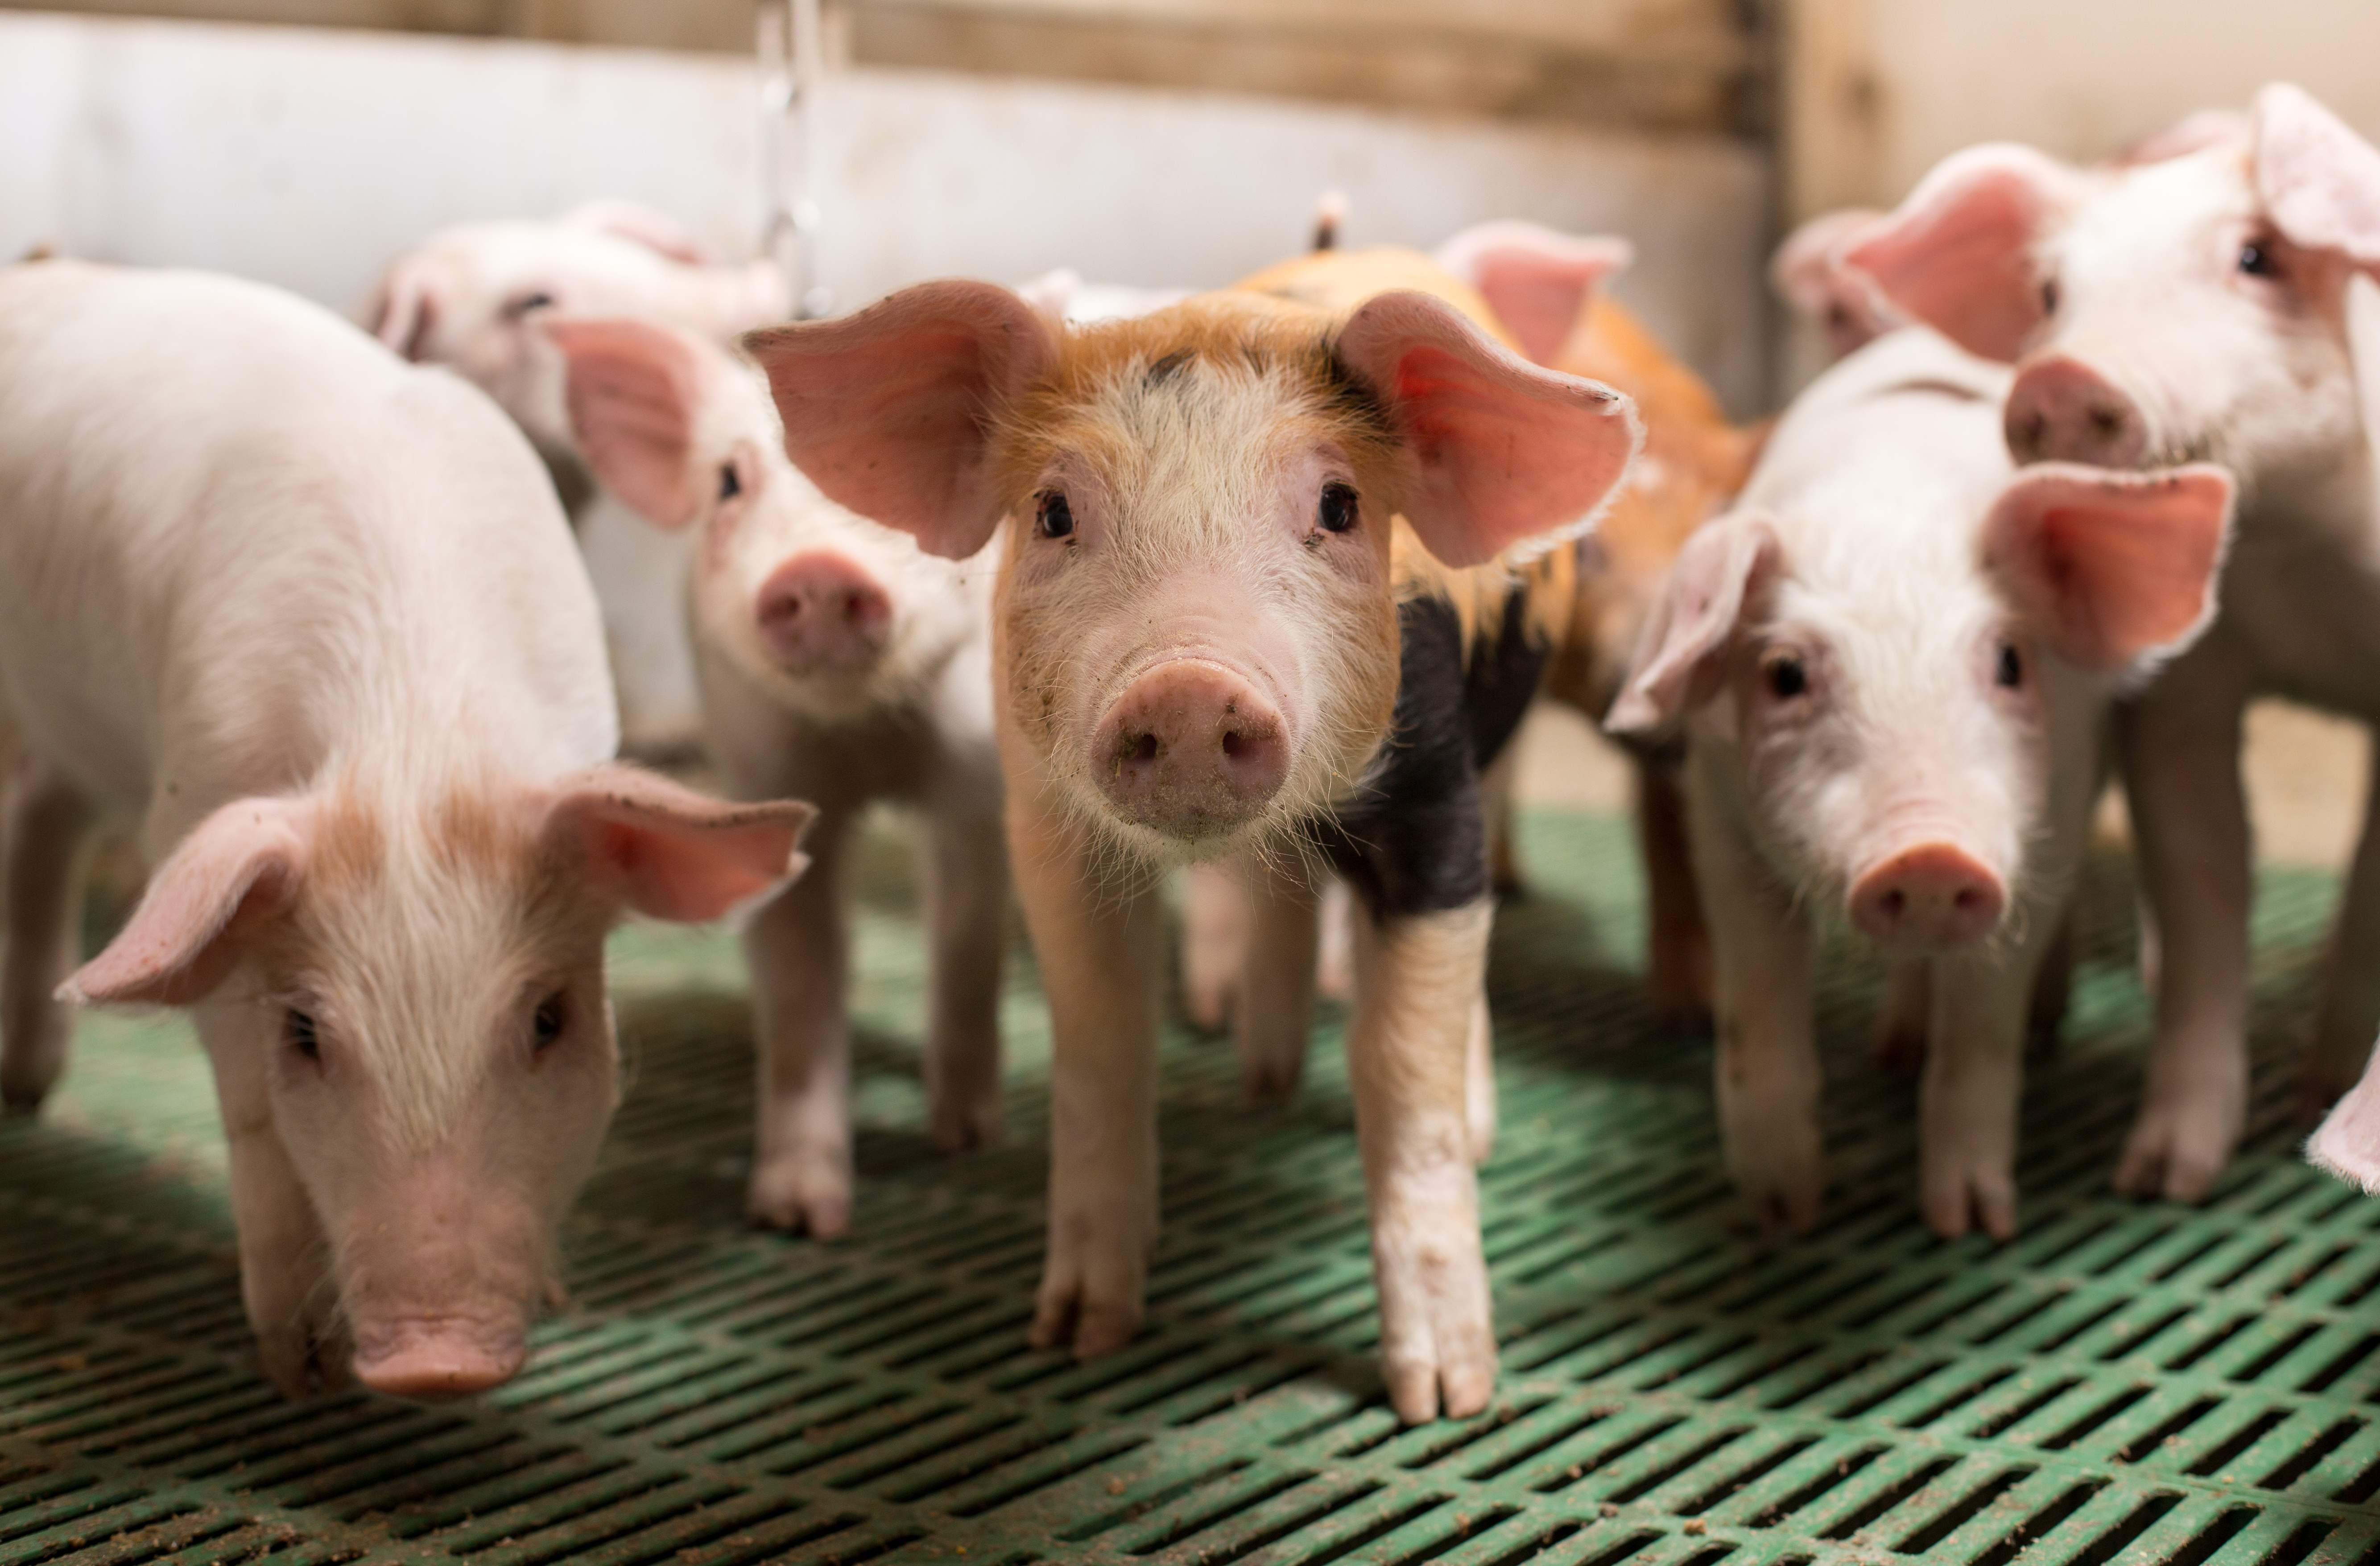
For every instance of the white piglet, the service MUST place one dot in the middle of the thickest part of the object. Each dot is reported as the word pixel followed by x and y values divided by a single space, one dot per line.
pixel 2195 305
pixel 1891 662
pixel 839 661
pixel 311 618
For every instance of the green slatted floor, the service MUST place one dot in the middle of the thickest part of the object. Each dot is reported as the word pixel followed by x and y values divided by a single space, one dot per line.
pixel 2123 1383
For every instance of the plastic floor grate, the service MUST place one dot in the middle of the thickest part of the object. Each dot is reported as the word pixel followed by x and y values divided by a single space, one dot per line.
pixel 2123 1383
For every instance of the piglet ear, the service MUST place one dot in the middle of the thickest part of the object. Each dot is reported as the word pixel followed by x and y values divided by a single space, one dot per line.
pixel 669 853
pixel 1678 656
pixel 2117 565
pixel 403 309
pixel 236 870
pixel 1535 279
pixel 2319 181
pixel 2347 1144
pixel 1502 452
pixel 1808 272
pixel 636 393
pixel 890 411
pixel 1958 253
pixel 632 221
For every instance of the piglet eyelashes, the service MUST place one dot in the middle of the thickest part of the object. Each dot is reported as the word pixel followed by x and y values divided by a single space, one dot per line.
pixel 1053 518
pixel 298 1031
pixel 1337 511
pixel 2011 672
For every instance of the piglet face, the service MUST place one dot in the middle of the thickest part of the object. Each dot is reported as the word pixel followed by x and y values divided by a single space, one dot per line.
pixel 1196 617
pixel 424 991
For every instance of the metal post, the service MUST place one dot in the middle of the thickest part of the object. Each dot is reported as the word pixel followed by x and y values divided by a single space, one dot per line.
pixel 791 48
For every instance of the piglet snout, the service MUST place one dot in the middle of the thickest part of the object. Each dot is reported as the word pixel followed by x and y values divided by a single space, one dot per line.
pixel 1191 749
pixel 435 1361
pixel 1931 896
pixel 821 611
pixel 2062 410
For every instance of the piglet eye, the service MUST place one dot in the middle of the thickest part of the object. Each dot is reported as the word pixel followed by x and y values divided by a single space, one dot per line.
pixel 1338 510
pixel 299 1031
pixel 1787 678
pixel 730 486
pixel 2011 672
pixel 2256 261
pixel 522 304
pixel 546 1026
pixel 2050 298
pixel 1054 518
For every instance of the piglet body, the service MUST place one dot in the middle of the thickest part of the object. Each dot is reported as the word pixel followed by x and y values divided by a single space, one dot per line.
pixel 1890 663
pixel 311 617
pixel 840 662
pixel 1265 589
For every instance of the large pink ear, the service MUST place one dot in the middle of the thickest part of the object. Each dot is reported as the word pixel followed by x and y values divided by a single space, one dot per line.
pixel 404 308
pixel 636 393
pixel 2347 1144
pixel 1808 272
pixel 2319 181
pixel 1959 253
pixel 1535 279
pixel 2116 565
pixel 233 871
pixel 656 230
pixel 890 411
pixel 1677 660
pixel 669 853
pixel 1502 451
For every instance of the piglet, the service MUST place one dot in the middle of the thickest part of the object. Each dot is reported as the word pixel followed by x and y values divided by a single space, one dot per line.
pixel 2195 305
pixel 840 662
pixel 1258 594
pixel 311 619
pixel 470 297
pixel 1891 662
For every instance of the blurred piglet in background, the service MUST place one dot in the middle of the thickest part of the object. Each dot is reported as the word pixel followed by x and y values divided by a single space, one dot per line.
pixel 2192 302
pixel 1891 662
pixel 470 297
pixel 311 616
pixel 841 663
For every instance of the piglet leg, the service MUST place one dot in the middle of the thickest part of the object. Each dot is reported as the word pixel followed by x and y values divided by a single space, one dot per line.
pixel 2350 996
pixel 966 904
pixel 1768 1077
pixel 48 824
pixel 285 1277
pixel 1418 982
pixel 1097 934
pixel 1215 917
pixel 1975 1079
pixel 1277 978
pixel 1677 954
pixel 1908 1015
pixel 1479 1082
pixel 2181 770
pixel 796 949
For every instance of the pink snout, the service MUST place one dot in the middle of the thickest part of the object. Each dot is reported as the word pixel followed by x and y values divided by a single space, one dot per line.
pixel 1931 896
pixel 1191 749
pixel 821 612
pixel 433 1362
pixel 2062 410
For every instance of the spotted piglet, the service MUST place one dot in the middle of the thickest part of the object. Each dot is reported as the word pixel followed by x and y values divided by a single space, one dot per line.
pixel 1258 594
pixel 1891 662
pixel 840 662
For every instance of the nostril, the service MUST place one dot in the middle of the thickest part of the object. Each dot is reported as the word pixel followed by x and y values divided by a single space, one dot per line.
pixel 1144 747
pixel 1233 743
pixel 2106 423
pixel 1967 900
pixel 1895 903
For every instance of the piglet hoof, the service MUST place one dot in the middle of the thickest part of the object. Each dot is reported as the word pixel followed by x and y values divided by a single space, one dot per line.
pixel 1437 1344
pixel 300 1360
pixel 1960 1199
pixel 2176 1151
pixel 1781 1172
pixel 796 1194
pixel 1901 1050
pixel 1265 1080
pixel 962 1123
pixel 1206 1003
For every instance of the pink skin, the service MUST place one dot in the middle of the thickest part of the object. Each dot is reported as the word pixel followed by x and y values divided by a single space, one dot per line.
pixel 1808 272
pixel 838 661
pixel 2196 306
pixel 1198 552
pixel 1890 666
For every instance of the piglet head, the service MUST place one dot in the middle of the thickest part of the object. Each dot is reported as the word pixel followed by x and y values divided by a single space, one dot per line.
pixel 1196 618
pixel 420 1025
pixel 2186 303
pixel 833 612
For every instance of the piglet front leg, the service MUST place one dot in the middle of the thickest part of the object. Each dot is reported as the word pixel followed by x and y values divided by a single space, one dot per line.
pixel 1418 983
pixel 48 824
pixel 966 902
pixel 1974 1082
pixel 1097 934
pixel 2350 996
pixel 285 1277
pixel 796 949
pixel 1276 985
